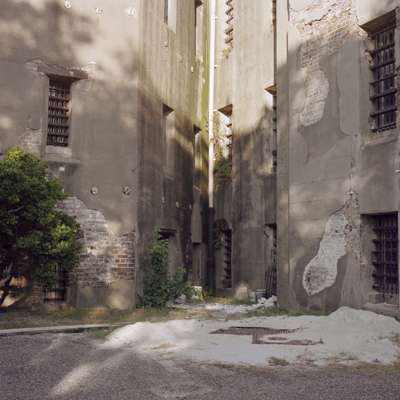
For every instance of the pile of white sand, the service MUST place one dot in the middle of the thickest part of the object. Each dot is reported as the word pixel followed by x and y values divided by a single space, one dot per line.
pixel 347 336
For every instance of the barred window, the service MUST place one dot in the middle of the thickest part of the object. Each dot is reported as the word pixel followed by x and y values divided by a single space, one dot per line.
pixel 57 291
pixel 383 86
pixel 58 112
pixel 385 255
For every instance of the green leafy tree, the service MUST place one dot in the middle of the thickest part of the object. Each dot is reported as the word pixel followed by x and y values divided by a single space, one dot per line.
pixel 35 236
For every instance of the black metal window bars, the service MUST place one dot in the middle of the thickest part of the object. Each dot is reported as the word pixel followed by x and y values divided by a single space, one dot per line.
pixel 56 292
pixel 58 113
pixel 383 87
pixel 385 255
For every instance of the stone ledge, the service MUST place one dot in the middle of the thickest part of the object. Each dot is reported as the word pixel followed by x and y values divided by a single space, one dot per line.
pixel 57 159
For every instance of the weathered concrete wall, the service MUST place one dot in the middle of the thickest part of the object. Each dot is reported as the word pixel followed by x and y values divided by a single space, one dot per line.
pixel 101 159
pixel 243 74
pixel 338 168
pixel 132 64
pixel 168 75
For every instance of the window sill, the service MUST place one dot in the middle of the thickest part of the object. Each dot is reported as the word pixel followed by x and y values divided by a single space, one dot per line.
pixel 63 155
pixel 374 139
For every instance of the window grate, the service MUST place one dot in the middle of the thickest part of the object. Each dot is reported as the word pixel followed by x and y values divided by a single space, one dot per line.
pixel 229 11
pixel 227 242
pixel 58 113
pixel 385 255
pixel 57 291
pixel 383 86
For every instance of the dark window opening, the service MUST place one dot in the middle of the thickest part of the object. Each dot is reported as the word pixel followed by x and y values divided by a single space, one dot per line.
pixel 166 233
pixel 383 87
pixel 274 135
pixel 198 22
pixel 271 273
pixel 58 122
pixel 57 291
pixel 166 5
pixel 197 162
pixel 385 255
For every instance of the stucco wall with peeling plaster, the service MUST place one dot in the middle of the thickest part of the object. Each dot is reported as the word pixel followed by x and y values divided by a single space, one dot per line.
pixel 337 170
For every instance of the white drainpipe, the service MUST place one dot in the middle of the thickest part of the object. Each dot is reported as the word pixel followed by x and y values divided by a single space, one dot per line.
pixel 211 106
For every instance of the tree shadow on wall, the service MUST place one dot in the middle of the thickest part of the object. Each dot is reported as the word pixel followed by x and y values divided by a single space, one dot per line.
pixel 34 33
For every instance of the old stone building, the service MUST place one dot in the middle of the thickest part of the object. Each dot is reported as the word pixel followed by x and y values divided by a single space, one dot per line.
pixel 306 110
pixel 107 93
pixel 295 101
pixel 338 153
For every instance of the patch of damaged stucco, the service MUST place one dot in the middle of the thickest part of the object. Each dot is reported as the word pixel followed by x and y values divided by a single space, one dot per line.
pixel 317 90
pixel 323 27
pixel 321 272
pixel 105 256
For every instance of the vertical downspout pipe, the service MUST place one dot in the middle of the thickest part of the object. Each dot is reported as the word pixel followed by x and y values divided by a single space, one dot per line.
pixel 211 94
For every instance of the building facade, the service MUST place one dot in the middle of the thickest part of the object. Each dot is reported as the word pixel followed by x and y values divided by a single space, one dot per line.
pixel 107 94
pixel 305 133
pixel 337 148
pixel 307 95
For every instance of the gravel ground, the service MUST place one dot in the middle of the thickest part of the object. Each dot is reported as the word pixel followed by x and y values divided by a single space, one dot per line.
pixel 75 367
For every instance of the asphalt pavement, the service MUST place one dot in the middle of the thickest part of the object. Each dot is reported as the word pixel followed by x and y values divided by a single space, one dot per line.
pixel 76 366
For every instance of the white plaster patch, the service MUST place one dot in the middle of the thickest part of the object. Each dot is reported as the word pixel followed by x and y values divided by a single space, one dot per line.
pixel 317 90
pixel 323 26
pixel 307 11
pixel 321 271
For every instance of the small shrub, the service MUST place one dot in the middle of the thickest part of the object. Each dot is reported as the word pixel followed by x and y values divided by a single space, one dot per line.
pixel 159 287
pixel 156 282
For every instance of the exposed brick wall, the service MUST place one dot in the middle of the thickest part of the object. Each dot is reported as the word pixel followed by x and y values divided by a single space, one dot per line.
pixel 105 257
pixel 323 26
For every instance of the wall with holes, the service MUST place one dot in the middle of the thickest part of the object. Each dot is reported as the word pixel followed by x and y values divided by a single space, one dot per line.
pixel 123 61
